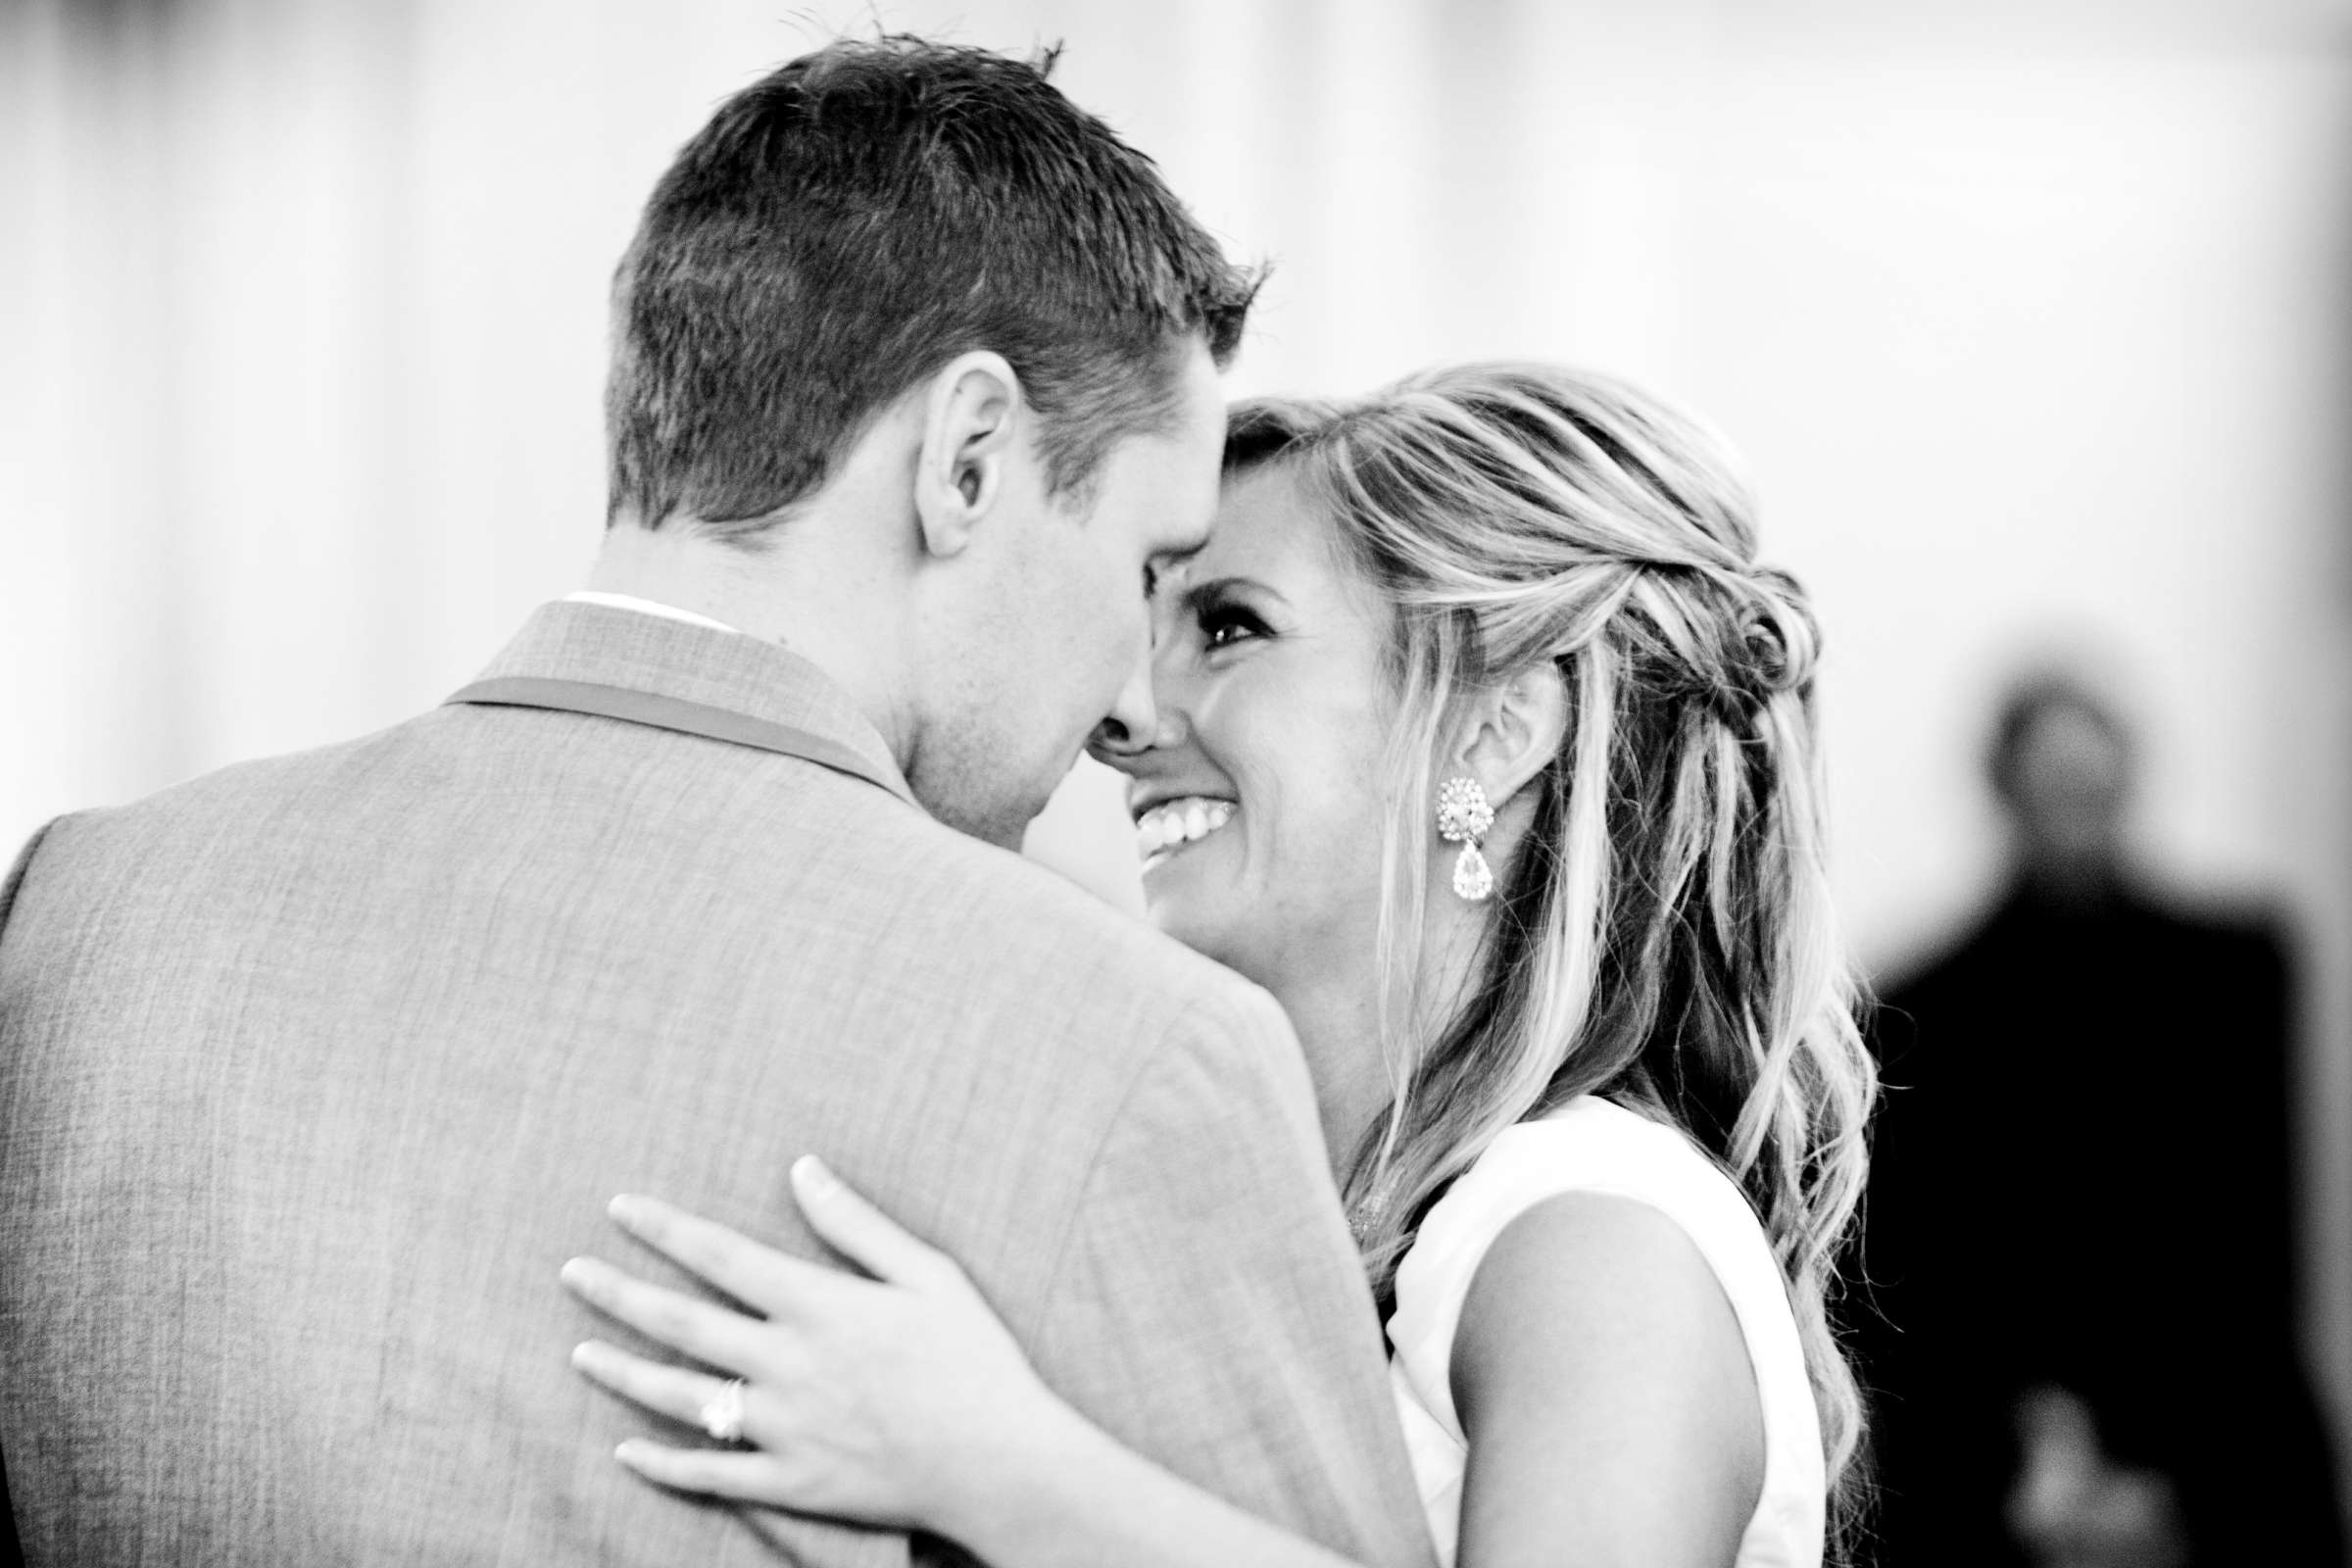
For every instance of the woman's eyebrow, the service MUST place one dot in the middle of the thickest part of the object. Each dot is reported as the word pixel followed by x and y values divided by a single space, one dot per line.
pixel 1199 595
pixel 1175 557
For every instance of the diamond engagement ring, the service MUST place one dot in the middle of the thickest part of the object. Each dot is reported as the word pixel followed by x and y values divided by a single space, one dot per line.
pixel 722 1416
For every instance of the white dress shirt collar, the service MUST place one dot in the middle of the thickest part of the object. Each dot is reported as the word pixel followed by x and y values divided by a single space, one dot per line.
pixel 647 606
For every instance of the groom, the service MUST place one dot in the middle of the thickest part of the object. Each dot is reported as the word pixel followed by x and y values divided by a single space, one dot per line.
pixel 314 1071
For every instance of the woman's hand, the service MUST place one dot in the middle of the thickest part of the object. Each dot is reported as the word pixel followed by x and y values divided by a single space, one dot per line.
pixel 899 1400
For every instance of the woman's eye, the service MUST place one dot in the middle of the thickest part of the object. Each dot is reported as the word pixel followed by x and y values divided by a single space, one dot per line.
pixel 1227 624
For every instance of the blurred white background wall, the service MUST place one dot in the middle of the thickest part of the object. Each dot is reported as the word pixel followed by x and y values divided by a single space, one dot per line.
pixel 2034 319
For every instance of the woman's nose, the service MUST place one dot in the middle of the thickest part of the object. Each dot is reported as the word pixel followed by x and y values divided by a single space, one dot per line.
pixel 1133 730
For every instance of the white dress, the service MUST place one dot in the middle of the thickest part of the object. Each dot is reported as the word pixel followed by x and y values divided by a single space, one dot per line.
pixel 1592 1146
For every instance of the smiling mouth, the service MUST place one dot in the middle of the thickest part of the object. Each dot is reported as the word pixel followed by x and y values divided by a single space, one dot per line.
pixel 1177 824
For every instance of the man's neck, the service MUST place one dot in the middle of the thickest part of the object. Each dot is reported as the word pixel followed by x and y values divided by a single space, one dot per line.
pixel 703 582
pixel 763 594
pixel 2063 877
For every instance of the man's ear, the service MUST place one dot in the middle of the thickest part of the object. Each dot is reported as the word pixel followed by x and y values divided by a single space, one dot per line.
pixel 970 432
pixel 1510 733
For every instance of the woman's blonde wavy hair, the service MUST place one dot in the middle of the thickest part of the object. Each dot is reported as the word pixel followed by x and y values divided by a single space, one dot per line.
pixel 1664 935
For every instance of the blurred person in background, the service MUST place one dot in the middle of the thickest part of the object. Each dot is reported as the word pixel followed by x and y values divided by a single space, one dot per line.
pixel 2080 1236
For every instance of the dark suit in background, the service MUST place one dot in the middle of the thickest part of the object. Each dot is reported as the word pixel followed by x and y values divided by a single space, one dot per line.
pixel 2084 1178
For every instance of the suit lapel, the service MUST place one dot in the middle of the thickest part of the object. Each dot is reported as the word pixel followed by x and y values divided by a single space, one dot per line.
pixel 693 681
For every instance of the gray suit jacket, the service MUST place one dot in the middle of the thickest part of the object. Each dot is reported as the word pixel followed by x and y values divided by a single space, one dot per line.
pixel 314 1070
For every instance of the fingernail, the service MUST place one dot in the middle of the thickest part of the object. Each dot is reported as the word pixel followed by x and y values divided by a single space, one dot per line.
pixel 571 1270
pixel 624 1209
pixel 809 1173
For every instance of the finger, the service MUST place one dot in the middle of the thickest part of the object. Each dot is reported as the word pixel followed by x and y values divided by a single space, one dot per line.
pixel 715 1472
pixel 753 1273
pixel 863 1232
pixel 669 1390
pixel 699 1329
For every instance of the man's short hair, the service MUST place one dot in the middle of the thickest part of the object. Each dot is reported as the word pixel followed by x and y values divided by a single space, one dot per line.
pixel 851 223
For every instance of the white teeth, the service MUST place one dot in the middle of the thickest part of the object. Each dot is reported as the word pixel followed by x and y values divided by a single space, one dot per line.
pixel 1180 821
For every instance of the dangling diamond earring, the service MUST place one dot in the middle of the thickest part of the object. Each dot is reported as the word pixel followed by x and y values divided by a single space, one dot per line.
pixel 1463 818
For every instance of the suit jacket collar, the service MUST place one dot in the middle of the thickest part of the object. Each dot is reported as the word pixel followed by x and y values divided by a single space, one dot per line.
pixel 603 646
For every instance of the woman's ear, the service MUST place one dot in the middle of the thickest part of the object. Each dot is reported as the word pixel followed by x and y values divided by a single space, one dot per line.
pixel 970 427
pixel 1512 732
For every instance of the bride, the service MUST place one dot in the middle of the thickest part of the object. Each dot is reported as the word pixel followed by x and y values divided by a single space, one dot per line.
pixel 1487 747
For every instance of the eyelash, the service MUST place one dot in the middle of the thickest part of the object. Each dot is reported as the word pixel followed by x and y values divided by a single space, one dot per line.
pixel 1217 619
